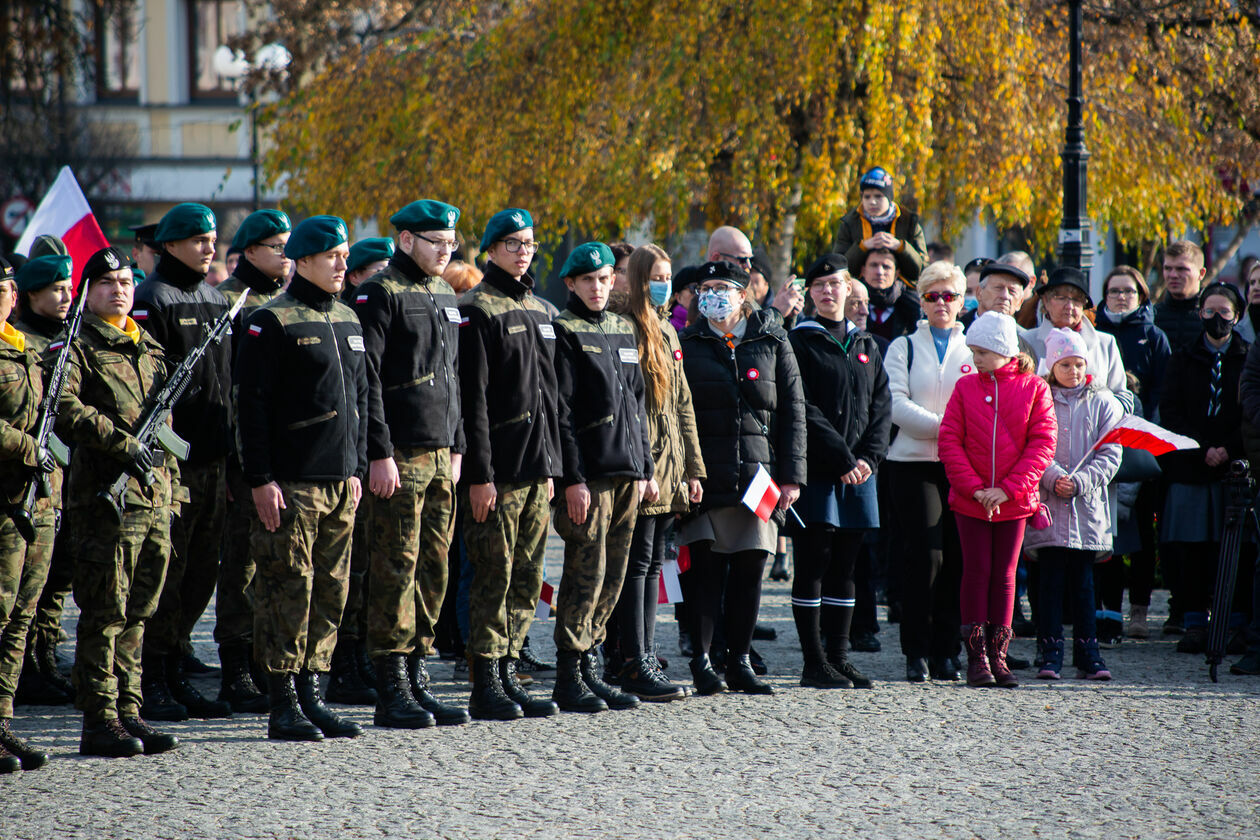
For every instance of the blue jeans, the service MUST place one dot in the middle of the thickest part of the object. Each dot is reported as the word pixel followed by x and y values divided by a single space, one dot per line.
pixel 1071 570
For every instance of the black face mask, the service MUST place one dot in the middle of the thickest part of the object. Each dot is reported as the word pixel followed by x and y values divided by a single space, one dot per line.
pixel 1217 327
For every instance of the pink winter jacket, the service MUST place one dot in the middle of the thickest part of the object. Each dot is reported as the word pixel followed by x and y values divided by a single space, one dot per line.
pixel 999 430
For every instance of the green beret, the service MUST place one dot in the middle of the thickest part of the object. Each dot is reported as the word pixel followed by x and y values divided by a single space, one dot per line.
pixel 260 225
pixel 503 223
pixel 315 236
pixel 47 245
pixel 419 216
pixel 588 257
pixel 137 276
pixel 43 271
pixel 184 221
pixel 370 250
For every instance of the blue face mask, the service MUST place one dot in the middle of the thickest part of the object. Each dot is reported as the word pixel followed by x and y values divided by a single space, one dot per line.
pixel 658 292
pixel 970 303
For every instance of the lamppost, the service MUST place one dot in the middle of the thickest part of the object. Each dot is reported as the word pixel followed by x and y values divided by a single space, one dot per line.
pixel 232 65
pixel 1076 233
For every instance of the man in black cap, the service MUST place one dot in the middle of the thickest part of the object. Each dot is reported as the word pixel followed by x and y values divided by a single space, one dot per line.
pixel 176 307
pixel 145 253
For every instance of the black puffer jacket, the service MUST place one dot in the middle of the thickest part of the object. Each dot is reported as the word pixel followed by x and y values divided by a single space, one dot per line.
pixel 1179 319
pixel 848 404
pixel 1144 350
pixel 749 406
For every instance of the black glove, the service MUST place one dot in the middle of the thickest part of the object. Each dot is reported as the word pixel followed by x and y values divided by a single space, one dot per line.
pixel 139 460
pixel 44 460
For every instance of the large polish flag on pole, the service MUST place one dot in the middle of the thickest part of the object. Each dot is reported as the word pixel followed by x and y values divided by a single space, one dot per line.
pixel 65 213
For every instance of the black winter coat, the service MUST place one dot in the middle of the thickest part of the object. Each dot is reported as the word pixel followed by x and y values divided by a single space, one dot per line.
pixel 1145 351
pixel 1184 407
pixel 750 409
pixel 848 404
pixel 1179 319
pixel 907 310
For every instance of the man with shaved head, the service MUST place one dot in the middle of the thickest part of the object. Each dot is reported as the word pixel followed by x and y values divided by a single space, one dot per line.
pixel 730 244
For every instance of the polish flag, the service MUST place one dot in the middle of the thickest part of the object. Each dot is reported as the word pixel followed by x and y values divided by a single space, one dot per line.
pixel 669 589
pixel 1135 433
pixel 65 213
pixel 546 600
pixel 762 494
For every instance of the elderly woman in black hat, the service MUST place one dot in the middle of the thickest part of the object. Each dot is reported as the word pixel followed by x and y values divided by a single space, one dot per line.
pixel 750 417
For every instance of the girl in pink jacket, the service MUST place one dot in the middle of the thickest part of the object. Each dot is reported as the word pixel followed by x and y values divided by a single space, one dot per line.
pixel 997 438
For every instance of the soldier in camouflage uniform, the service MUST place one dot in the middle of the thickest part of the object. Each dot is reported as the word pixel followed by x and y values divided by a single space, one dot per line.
pixel 259 274
pixel 302 387
pixel 508 394
pixel 415 447
pixel 607 463
pixel 120 567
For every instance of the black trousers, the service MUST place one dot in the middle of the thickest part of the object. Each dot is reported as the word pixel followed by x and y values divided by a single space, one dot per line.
pixel 726 585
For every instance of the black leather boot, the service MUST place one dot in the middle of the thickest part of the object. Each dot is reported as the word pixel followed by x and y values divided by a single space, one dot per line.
pixel 9 763
pixel 644 679
pixel 367 671
pixel 34 690
pixel 530 705
pixel 237 687
pixel 46 660
pixel 109 740
pixel 444 713
pixel 740 676
pixel 395 707
pixel 198 705
pixel 158 702
pixel 333 726
pixel 287 723
pixel 489 701
pixel 154 742
pixel 30 758
pixel 706 679
pixel 591 674
pixel 529 661
pixel 571 693
pixel 345 684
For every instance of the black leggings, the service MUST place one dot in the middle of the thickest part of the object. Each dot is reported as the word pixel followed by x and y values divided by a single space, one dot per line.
pixel 825 559
pixel 741 573
pixel 637 607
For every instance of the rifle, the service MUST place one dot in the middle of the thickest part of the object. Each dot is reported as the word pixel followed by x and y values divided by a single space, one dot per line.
pixel 153 429
pixel 46 439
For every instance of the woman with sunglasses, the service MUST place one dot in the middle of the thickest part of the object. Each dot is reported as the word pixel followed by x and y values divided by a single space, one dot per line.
pixel 923 368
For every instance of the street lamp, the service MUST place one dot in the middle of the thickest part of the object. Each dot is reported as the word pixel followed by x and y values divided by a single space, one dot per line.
pixel 232 64
pixel 1076 233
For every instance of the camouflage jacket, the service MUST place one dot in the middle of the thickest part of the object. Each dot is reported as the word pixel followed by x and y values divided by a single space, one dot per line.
pixel 39 331
pixel 109 379
pixel 21 390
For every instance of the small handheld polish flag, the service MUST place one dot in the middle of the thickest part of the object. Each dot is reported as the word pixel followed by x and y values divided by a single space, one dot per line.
pixel 762 494
pixel 546 600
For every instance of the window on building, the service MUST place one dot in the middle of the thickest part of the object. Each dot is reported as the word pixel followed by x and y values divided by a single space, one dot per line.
pixel 210 24
pixel 117 49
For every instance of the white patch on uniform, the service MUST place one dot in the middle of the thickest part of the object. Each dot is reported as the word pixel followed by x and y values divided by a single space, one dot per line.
pixel 547 330
pixel 452 314
pixel 355 342
pixel 628 355
pixel 361 299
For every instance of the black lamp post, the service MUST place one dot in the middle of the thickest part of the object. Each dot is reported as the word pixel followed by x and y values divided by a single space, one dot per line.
pixel 1076 233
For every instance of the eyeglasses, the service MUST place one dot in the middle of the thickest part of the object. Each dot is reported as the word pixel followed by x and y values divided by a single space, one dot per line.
pixel 830 284
pixel 276 248
pixel 718 287
pixel 1122 293
pixel 1065 299
pixel 515 246
pixel 442 244
pixel 948 297
pixel 744 261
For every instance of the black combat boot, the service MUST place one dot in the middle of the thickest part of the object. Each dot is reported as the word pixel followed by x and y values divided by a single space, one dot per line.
pixel 395 707
pixel 198 705
pixel 109 740
pixel 571 693
pixel 444 713
pixel 530 662
pixel 644 679
pixel 31 758
pixel 531 706
pixel 345 684
pixel 34 690
pixel 46 659
pixel 158 702
pixel 367 671
pixel 333 726
pixel 237 687
pixel 287 723
pixel 615 698
pixel 154 741
pixel 489 701
pixel 740 676
pixel 9 763
pixel 706 679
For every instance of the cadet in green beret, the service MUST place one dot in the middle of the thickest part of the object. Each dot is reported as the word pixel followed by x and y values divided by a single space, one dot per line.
pixel 367 257
pixel 175 305
pixel 302 417
pixel 415 447
pixel 508 392
pixel 259 274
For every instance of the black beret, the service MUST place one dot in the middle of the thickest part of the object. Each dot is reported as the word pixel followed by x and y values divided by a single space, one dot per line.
pixel 684 277
pixel 1226 289
pixel 825 265
pixel 722 270
pixel 103 261
pixel 6 270
pixel 145 234
pixel 1002 268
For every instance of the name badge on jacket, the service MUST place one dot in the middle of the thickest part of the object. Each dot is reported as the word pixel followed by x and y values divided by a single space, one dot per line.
pixel 628 355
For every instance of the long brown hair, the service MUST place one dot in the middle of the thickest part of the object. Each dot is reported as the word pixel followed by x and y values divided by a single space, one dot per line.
pixel 654 359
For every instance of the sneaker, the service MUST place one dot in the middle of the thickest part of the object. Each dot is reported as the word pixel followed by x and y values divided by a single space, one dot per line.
pixel 1051 664
pixel 1194 640
pixel 1110 633
pixel 1137 628
pixel 1248 666
pixel 1089 662
pixel 846 669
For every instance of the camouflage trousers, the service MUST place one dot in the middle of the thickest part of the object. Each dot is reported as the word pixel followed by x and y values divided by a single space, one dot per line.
pixel 234 592
pixel 196 537
pixel 506 552
pixel 596 554
pixel 118 576
pixel 46 625
pixel 23 571
pixel 354 616
pixel 301 580
pixel 411 535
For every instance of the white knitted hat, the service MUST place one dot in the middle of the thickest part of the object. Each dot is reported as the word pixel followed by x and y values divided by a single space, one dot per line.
pixel 996 332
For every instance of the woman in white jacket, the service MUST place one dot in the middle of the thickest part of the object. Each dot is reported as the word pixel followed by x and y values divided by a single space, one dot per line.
pixel 923 368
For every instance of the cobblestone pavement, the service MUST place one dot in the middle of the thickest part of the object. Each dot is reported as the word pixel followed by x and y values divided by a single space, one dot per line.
pixel 1158 752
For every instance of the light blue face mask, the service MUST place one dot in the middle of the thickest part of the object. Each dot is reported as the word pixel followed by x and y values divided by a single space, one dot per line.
pixel 658 292
pixel 970 303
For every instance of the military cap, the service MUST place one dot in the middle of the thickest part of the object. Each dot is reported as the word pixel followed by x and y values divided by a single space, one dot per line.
pixel 48 245
pixel 1009 270
pixel 145 233
pixel 6 270
pixel 315 236
pixel 43 271
pixel 103 261
pixel 370 250
pixel 137 275
pixel 722 270
pixel 184 221
pixel 419 216
pixel 825 265
pixel 503 223
pixel 587 257
pixel 258 226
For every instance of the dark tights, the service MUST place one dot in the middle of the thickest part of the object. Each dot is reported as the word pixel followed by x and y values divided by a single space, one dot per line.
pixel 741 573
pixel 822 588
pixel 637 607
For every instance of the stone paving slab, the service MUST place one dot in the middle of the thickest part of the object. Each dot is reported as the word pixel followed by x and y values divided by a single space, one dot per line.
pixel 1159 752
